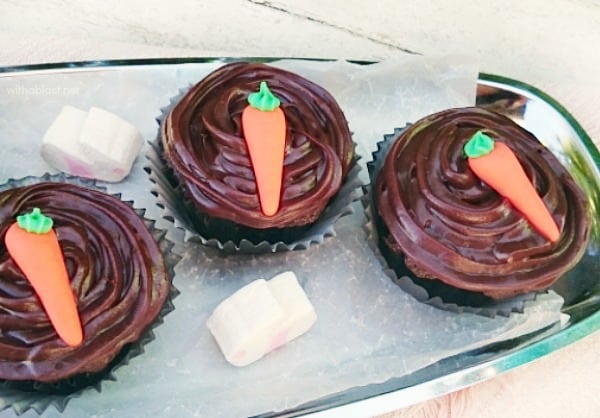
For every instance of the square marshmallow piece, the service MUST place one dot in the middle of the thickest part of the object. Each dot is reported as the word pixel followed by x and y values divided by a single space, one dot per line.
pixel 111 142
pixel 260 317
pixel 60 145
pixel 244 324
pixel 95 144
pixel 299 312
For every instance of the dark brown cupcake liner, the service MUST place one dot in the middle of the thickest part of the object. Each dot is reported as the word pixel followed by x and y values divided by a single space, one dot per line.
pixel 212 232
pixel 22 396
pixel 430 292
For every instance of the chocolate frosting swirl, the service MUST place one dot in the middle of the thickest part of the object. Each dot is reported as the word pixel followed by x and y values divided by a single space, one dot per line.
pixel 450 226
pixel 203 142
pixel 117 274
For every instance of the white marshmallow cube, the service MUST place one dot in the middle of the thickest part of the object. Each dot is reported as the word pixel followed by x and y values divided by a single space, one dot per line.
pixel 260 317
pixel 245 323
pixel 109 140
pixel 100 145
pixel 300 315
pixel 60 145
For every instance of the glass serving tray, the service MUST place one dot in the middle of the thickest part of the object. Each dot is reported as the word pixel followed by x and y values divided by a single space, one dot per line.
pixel 525 104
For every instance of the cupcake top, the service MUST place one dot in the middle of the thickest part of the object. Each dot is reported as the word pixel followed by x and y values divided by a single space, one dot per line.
pixel 204 142
pixel 452 226
pixel 116 271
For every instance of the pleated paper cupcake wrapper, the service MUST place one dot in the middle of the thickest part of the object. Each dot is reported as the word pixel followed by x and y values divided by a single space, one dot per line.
pixel 179 210
pixel 423 289
pixel 22 396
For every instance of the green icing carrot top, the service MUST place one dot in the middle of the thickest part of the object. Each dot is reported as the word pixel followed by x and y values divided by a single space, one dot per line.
pixel 35 222
pixel 263 99
pixel 479 145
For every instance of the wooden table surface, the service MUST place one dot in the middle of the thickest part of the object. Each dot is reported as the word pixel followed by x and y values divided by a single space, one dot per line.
pixel 553 45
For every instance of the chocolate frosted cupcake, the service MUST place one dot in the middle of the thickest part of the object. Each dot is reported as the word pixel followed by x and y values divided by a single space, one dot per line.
pixel 445 221
pixel 257 154
pixel 82 278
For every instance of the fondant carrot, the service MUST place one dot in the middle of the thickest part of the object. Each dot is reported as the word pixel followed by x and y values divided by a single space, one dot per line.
pixel 263 123
pixel 34 247
pixel 497 166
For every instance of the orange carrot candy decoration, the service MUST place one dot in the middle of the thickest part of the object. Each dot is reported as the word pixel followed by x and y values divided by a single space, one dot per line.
pixel 497 166
pixel 263 123
pixel 34 247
